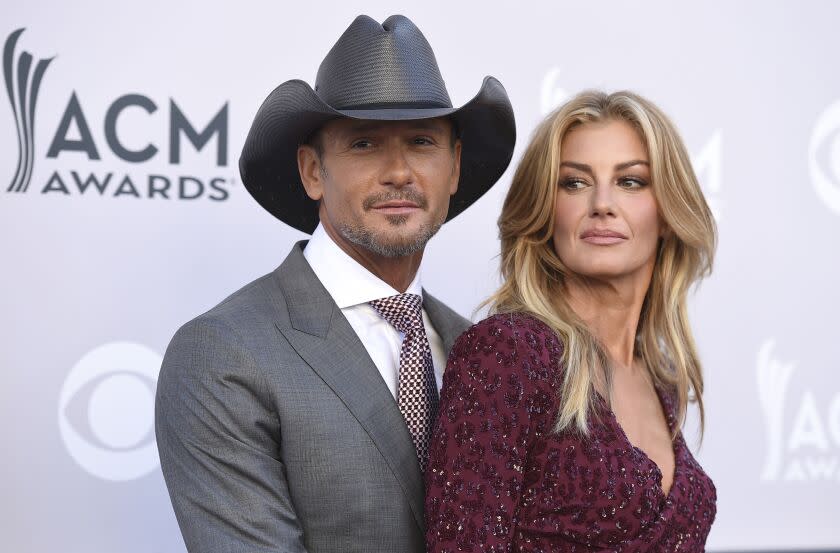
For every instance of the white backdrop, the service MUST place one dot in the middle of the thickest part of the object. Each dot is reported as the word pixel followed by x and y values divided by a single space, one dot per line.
pixel 94 283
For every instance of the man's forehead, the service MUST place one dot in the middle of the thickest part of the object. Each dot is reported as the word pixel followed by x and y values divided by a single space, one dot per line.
pixel 354 126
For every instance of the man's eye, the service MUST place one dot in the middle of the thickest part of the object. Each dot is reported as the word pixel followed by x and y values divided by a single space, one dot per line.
pixel 423 140
pixel 362 144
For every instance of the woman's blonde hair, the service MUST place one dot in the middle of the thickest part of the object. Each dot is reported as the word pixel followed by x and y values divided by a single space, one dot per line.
pixel 534 275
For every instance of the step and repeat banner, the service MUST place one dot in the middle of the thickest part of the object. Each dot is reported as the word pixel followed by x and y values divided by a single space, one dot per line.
pixel 122 216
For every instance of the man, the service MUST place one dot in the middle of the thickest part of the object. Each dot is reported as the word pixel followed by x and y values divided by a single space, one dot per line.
pixel 295 415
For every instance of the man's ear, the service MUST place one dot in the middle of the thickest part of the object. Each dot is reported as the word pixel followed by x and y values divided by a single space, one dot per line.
pixel 309 167
pixel 456 167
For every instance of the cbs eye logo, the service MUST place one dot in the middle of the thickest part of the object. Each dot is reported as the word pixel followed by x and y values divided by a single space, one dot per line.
pixel 824 157
pixel 106 411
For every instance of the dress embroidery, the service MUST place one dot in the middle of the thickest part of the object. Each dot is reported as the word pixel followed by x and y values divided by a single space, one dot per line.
pixel 500 480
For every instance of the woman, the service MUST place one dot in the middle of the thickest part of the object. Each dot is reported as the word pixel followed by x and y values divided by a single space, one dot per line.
pixel 560 415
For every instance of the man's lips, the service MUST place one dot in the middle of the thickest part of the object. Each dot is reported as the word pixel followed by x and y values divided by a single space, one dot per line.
pixel 602 237
pixel 395 207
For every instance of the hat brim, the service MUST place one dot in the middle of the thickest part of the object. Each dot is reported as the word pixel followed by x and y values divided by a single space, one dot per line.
pixel 292 112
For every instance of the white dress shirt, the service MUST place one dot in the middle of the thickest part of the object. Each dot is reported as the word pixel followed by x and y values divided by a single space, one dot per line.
pixel 352 287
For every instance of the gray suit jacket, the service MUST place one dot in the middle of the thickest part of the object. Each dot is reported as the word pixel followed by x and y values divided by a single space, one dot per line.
pixel 276 431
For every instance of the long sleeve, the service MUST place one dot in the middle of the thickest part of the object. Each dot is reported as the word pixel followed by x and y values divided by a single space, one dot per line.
pixel 219 443
pixel 499 398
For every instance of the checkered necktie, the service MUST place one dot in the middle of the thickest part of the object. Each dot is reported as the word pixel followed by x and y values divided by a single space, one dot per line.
pixel 417 396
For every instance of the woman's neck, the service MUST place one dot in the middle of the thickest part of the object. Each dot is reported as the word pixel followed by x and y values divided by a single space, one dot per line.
pixel 611 309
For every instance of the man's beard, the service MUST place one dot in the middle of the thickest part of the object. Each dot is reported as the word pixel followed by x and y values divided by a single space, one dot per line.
pixel 362 236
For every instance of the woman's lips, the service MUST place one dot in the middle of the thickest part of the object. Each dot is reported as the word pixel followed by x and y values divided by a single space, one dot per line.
pixel 602 237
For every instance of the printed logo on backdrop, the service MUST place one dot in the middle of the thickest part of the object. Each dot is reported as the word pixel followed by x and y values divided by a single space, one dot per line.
pixel 707 162
pixel 552 93
pixel 106 411
pixel 23 82
pixel 708 166
pixel 73 137
pixel 824 157
pixel 802 433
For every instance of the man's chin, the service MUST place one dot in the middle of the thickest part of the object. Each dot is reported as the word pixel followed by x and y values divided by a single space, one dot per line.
pixel 397 220
pixel 392 246
pixel 393 239
pixel 399 229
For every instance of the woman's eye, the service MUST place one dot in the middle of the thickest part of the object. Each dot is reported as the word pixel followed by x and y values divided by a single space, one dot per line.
pixel 631 183
pixel 573 184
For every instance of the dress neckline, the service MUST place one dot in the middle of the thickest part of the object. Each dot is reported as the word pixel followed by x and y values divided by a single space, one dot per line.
pixel 668 415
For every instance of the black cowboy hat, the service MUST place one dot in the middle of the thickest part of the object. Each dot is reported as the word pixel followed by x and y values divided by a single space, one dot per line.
pixel 384 72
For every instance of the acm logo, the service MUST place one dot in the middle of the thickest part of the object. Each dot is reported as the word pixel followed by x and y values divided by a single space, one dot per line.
pixel 22 85
pixel 24 78
pixel 802 436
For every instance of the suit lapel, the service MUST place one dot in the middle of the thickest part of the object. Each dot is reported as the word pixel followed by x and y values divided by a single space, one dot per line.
pixel 323 338
pixel 448 324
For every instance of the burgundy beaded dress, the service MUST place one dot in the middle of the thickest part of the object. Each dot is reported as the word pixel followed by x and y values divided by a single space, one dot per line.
pixel 499 479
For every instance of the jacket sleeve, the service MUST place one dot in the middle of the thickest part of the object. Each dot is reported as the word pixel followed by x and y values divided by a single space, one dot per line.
pixel 219 443
pixel 498 397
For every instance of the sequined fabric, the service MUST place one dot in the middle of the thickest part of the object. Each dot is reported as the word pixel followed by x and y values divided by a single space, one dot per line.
pixel 500 480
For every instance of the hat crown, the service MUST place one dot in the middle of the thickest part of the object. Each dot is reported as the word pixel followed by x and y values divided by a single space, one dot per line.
pixel 374 66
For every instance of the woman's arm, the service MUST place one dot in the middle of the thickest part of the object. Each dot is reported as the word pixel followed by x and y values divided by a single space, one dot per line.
pixel 499 396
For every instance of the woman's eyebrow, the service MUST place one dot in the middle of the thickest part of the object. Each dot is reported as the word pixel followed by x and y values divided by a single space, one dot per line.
pixel 579 166
pixel 628 164
pixel 618 167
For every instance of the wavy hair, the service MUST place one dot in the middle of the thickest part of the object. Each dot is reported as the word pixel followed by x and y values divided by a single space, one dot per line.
pixel 534 276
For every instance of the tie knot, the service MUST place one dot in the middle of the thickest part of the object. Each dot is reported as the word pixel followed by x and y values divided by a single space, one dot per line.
pixel 403 311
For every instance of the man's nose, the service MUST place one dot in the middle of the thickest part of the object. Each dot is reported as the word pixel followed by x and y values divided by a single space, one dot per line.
pixel 397 168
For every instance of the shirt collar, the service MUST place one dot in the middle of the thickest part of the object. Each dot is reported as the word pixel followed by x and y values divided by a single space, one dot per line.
pixel 344 278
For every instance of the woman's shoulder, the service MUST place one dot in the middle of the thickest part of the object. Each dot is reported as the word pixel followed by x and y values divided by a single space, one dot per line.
pixel 515 333
pixel 517 323
pixel 513 358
